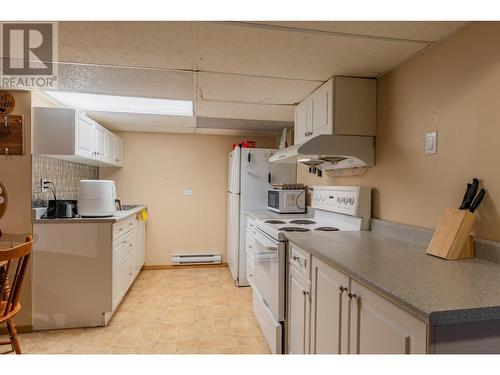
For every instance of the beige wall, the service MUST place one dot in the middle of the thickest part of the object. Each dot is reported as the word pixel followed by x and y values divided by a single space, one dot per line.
pixel 15 174
pixel 454 89
pixel 157 169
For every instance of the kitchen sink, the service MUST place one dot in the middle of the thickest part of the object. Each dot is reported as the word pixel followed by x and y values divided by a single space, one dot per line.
pixel 126 207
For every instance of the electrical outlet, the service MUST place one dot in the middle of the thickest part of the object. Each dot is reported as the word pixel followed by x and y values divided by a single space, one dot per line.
pixel 43 189
pixel 430 143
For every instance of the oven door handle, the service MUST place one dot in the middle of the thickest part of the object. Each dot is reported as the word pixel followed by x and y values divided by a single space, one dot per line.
pixel 263 246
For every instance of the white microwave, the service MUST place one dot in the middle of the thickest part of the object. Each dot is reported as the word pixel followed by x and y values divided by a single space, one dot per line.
pixel 286 201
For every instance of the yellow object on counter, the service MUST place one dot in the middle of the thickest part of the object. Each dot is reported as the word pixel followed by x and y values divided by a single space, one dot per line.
pixel 142 215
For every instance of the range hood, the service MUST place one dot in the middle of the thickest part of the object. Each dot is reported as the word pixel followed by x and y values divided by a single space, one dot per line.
pixel 328 152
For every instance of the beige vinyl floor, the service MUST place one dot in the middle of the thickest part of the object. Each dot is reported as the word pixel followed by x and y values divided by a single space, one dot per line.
pixel 191 311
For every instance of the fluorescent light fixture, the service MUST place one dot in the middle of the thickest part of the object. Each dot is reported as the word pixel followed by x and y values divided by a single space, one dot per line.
pixel 123 104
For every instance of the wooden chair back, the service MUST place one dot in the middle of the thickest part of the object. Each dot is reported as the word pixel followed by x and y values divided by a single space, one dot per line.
pixel 17 258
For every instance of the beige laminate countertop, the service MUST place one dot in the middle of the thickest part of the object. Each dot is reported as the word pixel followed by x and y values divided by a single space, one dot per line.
pixel 119 215
pixel 434 290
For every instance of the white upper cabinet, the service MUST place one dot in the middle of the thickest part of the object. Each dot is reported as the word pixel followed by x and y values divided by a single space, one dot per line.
pixel 100 142
pixel 110 147
pixel 303 121
pixel 321 107
pixel 118 151
pixel 69 134
pixel 84 135
pixel 342 105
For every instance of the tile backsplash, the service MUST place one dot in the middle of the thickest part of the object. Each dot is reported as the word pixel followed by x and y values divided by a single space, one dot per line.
pixel 64 174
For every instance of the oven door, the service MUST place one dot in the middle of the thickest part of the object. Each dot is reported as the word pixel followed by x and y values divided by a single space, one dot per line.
pixel 269 272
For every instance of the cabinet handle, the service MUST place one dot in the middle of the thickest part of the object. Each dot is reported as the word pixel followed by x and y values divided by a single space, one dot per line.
pixel 342 289
pixel 297 259
pixel 351 295
pixel 306 293
pixel 250 246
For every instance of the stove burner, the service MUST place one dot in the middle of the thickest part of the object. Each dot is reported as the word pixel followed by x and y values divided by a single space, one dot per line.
pixel 302 221
pixel 327 229
pixel 274 222
pixel 294 229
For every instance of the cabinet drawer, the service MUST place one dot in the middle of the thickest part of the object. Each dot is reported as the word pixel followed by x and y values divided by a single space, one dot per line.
pixel 250 223
pixel 250 269
pixel 122 227
pixel 249 243
pixel 300 260
pixel 270 327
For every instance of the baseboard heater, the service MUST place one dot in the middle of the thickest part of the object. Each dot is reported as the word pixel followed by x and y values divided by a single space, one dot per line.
pixel 196 259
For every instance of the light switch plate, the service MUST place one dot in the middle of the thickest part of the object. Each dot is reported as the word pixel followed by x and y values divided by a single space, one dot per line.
pixel 188 192
pixel 430 143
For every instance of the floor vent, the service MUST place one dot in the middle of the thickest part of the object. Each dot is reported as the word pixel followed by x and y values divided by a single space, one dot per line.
pixel 196 259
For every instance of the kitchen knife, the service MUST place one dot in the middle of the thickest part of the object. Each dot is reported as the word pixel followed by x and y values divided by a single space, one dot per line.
pixel 477 200
pixel 466 197
pixel 472 193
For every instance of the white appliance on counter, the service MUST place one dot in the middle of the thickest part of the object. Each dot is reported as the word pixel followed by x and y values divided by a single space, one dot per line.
pixel 96 198
pixel 337 208
pixel 249 177
pixel 286 201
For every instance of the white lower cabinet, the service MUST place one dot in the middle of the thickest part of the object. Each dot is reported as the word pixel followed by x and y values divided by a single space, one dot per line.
pixel 298 318
pixel 329 310
pixel 329 313
pixel 380 327
pixel 128 256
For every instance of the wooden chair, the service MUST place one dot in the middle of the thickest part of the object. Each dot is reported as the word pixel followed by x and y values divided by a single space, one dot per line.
pixel 17 258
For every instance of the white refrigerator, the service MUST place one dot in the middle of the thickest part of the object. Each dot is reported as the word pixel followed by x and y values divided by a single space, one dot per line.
pixel 249 178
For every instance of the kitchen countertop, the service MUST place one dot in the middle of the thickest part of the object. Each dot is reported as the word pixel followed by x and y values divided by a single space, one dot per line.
pixel 267 214
pixel 434 290
pixel 119 215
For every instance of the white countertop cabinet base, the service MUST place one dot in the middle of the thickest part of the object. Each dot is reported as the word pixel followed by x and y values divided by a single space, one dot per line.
pixel 341 316
pixel 82 271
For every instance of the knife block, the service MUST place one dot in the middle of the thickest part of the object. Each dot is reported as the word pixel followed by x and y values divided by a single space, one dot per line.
pixel 452 239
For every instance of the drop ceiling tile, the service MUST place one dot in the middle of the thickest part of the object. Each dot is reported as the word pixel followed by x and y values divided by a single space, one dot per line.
pixel 238 124
pixel 126 81
pixel 232 48
pixel 139 44
pixel 271 112
pixel 412 30
pixel 240 88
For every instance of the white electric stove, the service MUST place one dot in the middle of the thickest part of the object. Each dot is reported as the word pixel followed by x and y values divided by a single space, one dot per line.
pixel 336 208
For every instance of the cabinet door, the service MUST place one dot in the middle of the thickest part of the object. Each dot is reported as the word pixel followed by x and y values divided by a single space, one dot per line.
pixel 298 318
pixel 249 249
pixel 119 251
pixel 100 141
pixel 110 147
pixel 380 327
pixel 329 310
pixel 302 121
pixel 118 151
pixel 84 136
pixel 140 245
pixel 322 107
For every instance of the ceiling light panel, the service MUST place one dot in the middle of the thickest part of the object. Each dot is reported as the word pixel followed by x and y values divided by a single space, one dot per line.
pixel 123 104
